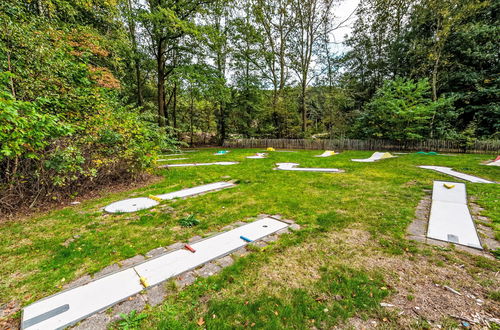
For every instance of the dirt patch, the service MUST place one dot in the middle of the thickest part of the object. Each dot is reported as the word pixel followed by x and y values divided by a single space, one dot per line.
pixel 439 287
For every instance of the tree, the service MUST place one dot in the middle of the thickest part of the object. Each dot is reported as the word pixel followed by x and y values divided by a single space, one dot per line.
pixel 312 16
pixel 166 21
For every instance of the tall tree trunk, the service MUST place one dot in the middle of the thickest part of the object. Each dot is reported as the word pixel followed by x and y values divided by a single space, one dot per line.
pixel 9 66
pixel 303 104
pixel 137 62
pixel 434 77
pixel 174 106
pixel 222 123
pixel 161 85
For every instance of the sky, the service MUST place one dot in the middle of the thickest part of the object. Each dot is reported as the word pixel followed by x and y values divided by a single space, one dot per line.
pixel 342 12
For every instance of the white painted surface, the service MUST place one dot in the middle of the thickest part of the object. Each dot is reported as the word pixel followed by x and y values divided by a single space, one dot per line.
pixel 84 300
pixel 293 167
pixel 168 159
pixel 463 176
pixel 456 194
pixel 96 296
pixel 496 163
pixel 171 155
pixel 452 219
pixel 196 190
pixel 164 267
pixel 326 154
pixel 258 156
pixel 200 164
pixel 131 205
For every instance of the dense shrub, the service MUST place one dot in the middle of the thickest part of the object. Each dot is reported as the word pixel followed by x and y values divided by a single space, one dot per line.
pixel 64 128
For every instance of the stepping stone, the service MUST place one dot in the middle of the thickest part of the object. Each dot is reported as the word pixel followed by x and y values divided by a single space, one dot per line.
pixel 463 176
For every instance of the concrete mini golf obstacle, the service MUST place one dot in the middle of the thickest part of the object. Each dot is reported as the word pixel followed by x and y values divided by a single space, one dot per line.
pixel 142 203
pixel 450 219
pixel 495 162
pixel 327 153
pixel 375 157
pixel 169 159
pixel 198 164
pixel 293 167
pixel 259 155
pixel 463 176
pixel 68 307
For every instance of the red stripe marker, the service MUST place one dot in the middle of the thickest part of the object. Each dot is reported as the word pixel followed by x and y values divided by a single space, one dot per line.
pixel 189 248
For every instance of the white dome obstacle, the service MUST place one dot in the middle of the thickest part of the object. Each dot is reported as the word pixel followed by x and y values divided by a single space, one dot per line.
pixel 142 203
pixel 375 157
pixel 460 175
pixel 293 167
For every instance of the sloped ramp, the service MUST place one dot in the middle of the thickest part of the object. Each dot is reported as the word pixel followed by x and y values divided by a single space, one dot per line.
pixel 68 307
pixel 375 157
pixel 327 153
pixel 495 162
pixel 460 175
pixel 450 219
pixel 293 167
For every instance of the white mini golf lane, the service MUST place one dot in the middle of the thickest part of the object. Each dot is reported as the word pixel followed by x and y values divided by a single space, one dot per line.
pixel 198 164
pixel 293 167
pixel 450 219
pixel 463 176
pixel 142 203
pixel 70 306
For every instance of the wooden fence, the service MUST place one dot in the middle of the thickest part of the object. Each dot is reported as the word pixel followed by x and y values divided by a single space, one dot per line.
pixel 486 146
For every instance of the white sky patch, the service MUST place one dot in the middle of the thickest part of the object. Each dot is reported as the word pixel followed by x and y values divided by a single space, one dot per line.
pixel 342 12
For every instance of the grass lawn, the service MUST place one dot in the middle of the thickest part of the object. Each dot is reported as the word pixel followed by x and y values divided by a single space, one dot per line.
pixel 351 253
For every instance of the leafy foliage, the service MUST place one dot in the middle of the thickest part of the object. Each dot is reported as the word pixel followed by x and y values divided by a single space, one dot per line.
pixel 189 221
pixel 402 109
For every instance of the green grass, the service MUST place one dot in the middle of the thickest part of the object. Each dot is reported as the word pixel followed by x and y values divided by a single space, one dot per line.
pixel 42 253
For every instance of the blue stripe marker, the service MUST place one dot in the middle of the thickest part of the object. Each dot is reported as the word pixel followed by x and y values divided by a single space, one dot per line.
pixel 245 239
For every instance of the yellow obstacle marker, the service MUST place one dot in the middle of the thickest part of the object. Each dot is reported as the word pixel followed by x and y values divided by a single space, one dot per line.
pixel 270 149
pixel 155 198
pixel 386 155
pixel 144 282
pixel 448 185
